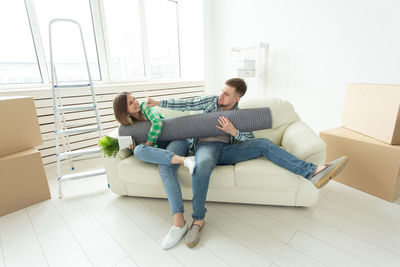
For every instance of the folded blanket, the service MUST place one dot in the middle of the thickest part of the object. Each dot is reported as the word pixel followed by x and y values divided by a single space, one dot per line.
pixel 201 125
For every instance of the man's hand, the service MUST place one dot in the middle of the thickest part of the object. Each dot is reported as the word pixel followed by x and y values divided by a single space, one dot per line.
pixel 226 126
pixel 152 103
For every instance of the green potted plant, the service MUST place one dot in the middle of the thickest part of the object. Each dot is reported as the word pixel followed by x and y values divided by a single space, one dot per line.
pixel 109 146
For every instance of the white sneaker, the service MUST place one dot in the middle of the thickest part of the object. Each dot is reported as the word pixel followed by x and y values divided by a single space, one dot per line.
pixel 189 163
pixel 174 235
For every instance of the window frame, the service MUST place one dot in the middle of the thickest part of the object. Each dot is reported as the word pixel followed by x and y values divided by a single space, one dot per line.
pixel 100 36
pixel 37 40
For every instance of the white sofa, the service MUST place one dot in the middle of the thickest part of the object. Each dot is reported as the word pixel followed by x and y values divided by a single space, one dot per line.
pixel 256 181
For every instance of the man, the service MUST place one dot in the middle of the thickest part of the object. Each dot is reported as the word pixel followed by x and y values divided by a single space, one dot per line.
pixel 222 150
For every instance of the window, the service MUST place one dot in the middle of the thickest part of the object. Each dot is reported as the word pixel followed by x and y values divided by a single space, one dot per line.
pixel 162 32
pixel 18 61
pixel 125 40
pixel 142 37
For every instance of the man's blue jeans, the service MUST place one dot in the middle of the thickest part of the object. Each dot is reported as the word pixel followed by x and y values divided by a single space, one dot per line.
pixel 207 156
pixel 210 154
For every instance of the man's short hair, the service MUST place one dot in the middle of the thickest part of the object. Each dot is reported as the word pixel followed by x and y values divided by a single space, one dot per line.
pixel 239 85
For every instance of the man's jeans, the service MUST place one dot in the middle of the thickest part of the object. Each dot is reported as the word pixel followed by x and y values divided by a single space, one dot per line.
pixel 210 154
pixel 207 156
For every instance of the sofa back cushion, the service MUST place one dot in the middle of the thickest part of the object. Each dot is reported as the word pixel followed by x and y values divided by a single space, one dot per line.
pixel 169 113
pixel 283 115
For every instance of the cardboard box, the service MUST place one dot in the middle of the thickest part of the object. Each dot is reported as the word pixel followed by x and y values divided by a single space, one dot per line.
pixel 373 110
pixel 19 125
pixel 23 181
pixel 373 167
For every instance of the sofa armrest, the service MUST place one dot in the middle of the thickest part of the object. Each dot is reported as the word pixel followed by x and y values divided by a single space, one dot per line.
pixel 111 165
pixel 123 154
pixel 301 141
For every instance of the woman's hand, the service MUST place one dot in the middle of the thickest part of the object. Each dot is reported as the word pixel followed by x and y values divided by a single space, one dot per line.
pixel 148 143
pixel 133 144
pixel 226 126
pixel 152 103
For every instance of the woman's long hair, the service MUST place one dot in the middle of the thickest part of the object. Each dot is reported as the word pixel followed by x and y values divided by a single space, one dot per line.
pixel 121 109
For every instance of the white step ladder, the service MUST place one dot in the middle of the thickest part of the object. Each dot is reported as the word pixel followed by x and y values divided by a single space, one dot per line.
pixel 59 110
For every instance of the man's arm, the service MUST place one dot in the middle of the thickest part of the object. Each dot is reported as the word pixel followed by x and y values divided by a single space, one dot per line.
pixel 196 103
pixel 244 136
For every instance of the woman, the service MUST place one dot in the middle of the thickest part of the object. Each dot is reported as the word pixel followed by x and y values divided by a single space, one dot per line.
pixel 127 111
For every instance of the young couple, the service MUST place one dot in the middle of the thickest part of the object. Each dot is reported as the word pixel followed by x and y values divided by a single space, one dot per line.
pixel 209 152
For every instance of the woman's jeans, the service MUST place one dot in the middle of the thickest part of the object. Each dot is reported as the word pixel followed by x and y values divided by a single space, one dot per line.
pixel 207 156
pixel 153 154
pixel 167 171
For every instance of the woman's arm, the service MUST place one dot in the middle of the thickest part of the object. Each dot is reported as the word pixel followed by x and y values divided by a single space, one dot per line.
pixel 156 123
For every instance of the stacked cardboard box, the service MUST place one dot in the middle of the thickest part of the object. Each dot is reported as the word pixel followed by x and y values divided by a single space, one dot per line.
pixel 373 110
pixel 23 180
pixel 370 136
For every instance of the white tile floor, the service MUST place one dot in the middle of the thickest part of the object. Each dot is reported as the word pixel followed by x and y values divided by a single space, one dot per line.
pixel 91 226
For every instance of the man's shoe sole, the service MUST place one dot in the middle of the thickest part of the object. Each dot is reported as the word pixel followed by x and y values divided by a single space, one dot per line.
pixel 196 241
pixel 335 171
pixel 192 245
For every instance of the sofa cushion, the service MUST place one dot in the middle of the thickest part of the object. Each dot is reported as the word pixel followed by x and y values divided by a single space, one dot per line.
pixel 262 173
pixel 243 174
pixel 131 170
pixel 221 177
pixel 274 135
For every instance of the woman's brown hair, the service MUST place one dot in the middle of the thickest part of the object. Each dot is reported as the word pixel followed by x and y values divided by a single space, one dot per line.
pixel 120 105
pixel 121 109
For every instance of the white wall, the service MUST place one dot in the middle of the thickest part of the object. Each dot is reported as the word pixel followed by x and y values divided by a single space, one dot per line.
pixel 317 47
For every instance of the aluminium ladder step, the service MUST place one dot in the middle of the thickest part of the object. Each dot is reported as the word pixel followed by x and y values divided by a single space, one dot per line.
pixel 81 175
pixel 78 152
pixel 73 126
pixel 72 85
pixel 75 108
pixel 78 130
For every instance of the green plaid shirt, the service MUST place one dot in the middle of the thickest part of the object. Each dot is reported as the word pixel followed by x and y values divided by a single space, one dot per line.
pixel 156 122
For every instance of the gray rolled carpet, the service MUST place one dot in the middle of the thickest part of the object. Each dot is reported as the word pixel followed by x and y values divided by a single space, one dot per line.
pixel 201 125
